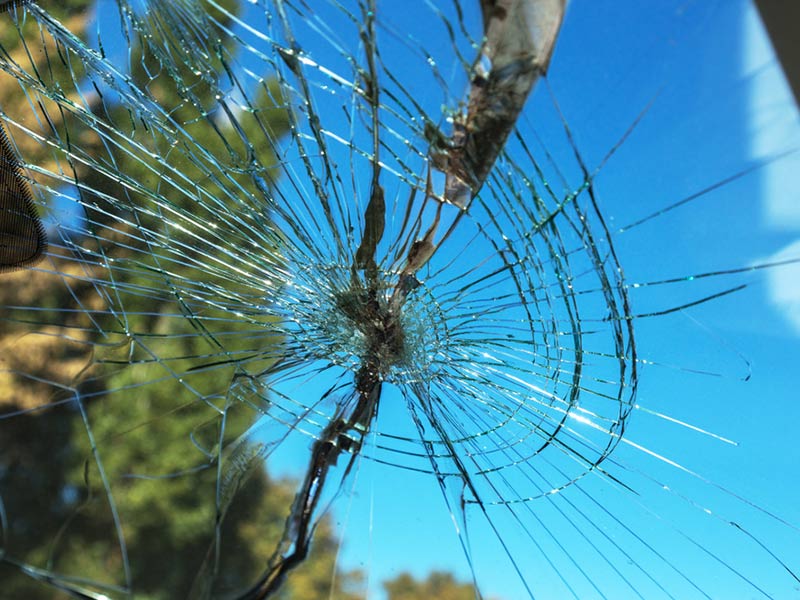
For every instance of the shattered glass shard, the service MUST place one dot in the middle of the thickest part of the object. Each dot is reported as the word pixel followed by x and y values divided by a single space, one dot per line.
pixel 518 41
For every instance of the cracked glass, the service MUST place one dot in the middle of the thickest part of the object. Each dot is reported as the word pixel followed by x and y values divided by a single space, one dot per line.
pixel 333 292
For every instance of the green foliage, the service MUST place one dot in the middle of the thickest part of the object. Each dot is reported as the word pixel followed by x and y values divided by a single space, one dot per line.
pixel 439 584
pixel 156 424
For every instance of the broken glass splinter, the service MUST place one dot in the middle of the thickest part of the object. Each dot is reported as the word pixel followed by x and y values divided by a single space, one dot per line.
pixel 519 38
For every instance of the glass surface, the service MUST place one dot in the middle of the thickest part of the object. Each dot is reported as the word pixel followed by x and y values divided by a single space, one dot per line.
pixel 262 324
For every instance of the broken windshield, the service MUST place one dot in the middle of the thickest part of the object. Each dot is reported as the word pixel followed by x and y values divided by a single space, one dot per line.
pixel 332 296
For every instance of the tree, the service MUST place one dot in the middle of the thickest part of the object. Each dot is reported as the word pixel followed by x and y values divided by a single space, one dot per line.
pixel 439 584
pixel 135 363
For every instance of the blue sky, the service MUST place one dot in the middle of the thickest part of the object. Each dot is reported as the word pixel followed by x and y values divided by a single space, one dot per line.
pixel 719 106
